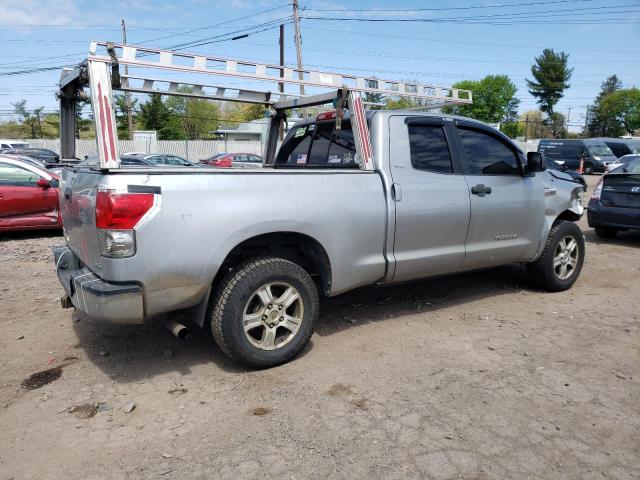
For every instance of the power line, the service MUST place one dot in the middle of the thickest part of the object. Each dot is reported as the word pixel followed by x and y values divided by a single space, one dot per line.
pixel 479 19
pixel 215 25
pixel 458 42
pixel 433 9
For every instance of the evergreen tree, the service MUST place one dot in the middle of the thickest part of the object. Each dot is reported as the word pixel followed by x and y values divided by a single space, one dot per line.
pixel 551 74
pixel 598 123
pixel 155 115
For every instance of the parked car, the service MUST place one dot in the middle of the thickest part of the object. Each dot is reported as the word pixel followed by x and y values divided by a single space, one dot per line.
pixel 157 159
pixel 28 196
pixel 615 203
pixel 622 160
pixel 552 165
pixel 622 146
pixel 49 157
pixel 594 153
pixel 445 195
pixel 144 160
pixel 235 160
pixel 4 144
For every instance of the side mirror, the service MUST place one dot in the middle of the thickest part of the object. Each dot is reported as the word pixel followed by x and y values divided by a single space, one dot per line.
pixel 43 183
pixel 536 162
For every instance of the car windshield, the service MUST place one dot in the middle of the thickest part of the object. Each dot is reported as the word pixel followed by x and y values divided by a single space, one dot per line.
pixel 632 167
pixel 634 147
pixel 599 150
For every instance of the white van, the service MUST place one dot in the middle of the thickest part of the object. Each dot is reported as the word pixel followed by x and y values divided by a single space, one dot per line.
pixel 13 143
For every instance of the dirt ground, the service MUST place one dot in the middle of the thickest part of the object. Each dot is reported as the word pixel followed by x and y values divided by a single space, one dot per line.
pixel 477 376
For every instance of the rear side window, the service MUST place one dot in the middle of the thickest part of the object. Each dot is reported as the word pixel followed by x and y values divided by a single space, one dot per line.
pixel 486 155
pixel 429 149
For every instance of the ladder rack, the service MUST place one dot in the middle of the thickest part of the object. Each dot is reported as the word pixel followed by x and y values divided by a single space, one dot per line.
pixel 101 71
pixel 146 57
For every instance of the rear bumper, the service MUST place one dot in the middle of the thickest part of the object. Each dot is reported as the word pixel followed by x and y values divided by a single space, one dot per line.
pixel 614 217
pixel 116 303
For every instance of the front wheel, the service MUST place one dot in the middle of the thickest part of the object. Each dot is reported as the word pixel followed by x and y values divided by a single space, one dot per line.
pixel 561 261
pixel 588 169
pixel 264 312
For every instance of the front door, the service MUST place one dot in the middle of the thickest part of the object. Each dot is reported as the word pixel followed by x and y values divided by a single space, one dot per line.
pixel 507 208
pixel 431 198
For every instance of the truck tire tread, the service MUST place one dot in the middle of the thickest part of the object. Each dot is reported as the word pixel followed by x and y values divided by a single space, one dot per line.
pixel 226 304
pixel 541 270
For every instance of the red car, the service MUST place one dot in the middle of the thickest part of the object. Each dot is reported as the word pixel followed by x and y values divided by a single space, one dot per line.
pixel 237 160
pixel 28 196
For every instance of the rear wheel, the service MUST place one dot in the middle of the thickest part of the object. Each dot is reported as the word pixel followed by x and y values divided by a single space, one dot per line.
pixel 264 312
pixel 561 261
pixel 606 232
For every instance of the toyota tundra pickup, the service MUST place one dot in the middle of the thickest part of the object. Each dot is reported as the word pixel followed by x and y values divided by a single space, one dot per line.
pixel 249 252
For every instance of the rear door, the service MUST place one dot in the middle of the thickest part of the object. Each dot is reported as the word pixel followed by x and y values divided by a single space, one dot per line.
pixel 431 198
pixel 507 209
pixel 22 201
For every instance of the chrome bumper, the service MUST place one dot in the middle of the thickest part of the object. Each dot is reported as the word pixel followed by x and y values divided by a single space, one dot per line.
pixel 111 302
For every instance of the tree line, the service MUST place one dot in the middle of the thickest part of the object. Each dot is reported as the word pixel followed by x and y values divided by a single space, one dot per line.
pixel 614 112
pixel 173 118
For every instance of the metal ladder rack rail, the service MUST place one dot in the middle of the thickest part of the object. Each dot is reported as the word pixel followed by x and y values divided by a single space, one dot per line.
pixel 138 56
pixel 199 90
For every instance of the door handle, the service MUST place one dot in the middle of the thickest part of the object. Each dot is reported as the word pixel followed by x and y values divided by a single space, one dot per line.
pixel 396 192
pixel 481 190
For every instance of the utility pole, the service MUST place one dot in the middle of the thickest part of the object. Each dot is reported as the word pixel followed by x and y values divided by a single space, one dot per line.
pixel 568 119
pixel 586 119
pixel 296 26
pixel 281 84
pixel 526 129
pixel 127 96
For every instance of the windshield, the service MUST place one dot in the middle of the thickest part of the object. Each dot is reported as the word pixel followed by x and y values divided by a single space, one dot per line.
pixel 634 147
pixel 599 150
pixel 632 167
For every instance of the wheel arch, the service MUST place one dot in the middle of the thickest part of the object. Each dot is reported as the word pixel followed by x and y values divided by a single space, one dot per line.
pixel 299 248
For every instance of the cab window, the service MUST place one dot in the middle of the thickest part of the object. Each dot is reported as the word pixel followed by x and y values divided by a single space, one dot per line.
pixel 487 155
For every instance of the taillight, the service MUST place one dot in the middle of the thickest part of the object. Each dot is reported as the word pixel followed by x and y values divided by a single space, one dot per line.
pixel 330 115
pixel 116 216
pixel 121 210
pixel 598 190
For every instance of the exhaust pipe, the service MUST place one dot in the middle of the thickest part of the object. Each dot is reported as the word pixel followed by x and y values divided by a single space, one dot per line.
pixel 178 330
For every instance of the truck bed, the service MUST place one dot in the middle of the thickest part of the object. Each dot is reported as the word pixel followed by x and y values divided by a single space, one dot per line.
pixel 200 215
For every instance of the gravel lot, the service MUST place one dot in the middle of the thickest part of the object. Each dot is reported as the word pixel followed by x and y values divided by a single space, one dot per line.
pixel 475 376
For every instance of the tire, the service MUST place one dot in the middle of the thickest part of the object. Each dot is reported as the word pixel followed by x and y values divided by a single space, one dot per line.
pixel 606 232
pixel 588 169
pixel 257 294
pixel 542 271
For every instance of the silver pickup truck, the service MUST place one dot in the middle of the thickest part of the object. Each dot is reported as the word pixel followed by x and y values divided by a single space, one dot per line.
pixel 249 253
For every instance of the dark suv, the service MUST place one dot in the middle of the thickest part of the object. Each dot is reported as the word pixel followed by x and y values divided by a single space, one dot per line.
pixel 622 146
pixel 594 153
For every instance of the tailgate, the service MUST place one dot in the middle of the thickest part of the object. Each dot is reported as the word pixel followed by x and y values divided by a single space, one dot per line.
pixel 621 190
pixel 78 205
